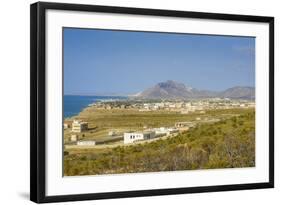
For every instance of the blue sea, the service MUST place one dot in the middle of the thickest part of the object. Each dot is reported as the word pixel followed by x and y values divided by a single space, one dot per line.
pixel 73 104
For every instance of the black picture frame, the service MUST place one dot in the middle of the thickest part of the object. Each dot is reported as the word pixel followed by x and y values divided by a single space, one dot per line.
pixel 38 101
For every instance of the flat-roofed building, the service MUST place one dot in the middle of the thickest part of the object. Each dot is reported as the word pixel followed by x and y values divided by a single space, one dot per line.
pixel 161 131
pixel 73 138
pixel 184 124
pixel 130 137
pixel 65 126
pixel 79 126
pixel 112 133
pixel 86 143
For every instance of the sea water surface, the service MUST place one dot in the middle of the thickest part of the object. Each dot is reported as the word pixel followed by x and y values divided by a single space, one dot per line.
pixel 73 104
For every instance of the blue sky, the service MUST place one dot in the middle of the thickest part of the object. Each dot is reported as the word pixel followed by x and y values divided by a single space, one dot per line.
pixel 126 62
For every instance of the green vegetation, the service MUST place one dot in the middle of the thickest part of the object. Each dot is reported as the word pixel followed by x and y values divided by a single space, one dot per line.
pixel 225 144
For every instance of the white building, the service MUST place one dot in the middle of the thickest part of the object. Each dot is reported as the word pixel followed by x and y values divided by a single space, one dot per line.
pixel 86 143
pixel 130 137
pixel 164 131
pixel 184 124
pixel 66 126
pixel 79 126
pixel 73 138
pixel 111 133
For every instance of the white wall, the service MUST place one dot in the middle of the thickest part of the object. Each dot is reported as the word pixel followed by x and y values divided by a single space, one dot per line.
pixel 14 101
pixel 135 136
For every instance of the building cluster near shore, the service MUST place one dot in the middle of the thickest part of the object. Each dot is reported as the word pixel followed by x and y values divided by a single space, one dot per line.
pixel 183 107
pixel 79 126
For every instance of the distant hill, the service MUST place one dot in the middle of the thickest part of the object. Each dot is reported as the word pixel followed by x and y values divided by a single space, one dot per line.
pixel 239 92
pixel 175 90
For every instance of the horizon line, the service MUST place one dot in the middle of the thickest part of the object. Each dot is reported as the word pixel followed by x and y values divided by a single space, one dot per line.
pixel 116 94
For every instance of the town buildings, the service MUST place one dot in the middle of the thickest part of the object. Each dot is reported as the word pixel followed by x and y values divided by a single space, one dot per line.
pixel 180 106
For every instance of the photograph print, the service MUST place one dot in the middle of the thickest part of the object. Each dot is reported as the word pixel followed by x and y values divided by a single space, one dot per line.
pixel 136 102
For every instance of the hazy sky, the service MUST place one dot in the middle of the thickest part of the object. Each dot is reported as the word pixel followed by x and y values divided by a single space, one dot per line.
pixel 101 61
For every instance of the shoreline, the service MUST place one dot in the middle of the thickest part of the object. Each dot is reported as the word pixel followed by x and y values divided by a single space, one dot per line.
pixel 80 102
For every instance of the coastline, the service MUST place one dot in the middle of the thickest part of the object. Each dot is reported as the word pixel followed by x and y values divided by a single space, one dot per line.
pixel 74 104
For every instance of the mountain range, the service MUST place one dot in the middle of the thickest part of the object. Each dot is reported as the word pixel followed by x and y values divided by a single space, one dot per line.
pixel 176 90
